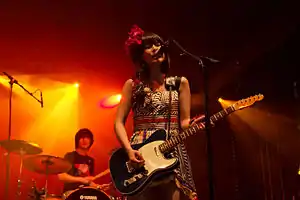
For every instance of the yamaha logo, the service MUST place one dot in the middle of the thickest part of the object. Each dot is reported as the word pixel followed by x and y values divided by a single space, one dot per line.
pixel 83 197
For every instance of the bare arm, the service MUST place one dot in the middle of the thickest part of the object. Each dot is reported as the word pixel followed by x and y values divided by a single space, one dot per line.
pixel 185 103
pixel 64 177
pixel 122 114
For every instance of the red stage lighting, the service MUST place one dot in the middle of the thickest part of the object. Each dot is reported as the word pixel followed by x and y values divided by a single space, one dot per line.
pixel 111 101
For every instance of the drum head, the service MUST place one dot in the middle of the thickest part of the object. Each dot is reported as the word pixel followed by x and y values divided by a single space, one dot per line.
pixel 87 193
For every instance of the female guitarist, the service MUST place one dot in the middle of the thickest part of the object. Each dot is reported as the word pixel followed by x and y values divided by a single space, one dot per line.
pixel 158 102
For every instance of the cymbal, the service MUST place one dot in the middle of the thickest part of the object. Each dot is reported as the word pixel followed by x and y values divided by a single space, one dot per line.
pixel 21 147
pixel 47 164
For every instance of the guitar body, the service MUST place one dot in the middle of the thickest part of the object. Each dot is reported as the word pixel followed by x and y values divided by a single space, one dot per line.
pixel 129 181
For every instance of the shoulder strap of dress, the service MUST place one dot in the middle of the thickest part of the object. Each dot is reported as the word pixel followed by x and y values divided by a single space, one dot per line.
pixel 177 82
pixel 174 82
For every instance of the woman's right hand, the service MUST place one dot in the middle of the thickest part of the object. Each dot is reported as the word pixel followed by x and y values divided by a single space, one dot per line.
pixel 135 157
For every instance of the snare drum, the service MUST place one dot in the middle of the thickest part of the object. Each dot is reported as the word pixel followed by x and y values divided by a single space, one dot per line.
pixel 86 193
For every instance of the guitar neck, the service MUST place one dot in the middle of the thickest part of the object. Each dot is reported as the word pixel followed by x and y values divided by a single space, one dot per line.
pixel 174 141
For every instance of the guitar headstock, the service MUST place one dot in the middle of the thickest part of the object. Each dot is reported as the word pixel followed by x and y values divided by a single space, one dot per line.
pixel 243 103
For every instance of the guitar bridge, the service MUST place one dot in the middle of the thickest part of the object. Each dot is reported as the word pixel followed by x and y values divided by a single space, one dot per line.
pixel 133 179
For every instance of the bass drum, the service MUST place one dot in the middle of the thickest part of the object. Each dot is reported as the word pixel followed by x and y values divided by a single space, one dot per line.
pixel 86 193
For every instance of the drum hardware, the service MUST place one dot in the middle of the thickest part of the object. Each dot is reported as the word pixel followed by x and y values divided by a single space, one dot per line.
pixel 48 165
pixel 22 148
pixel 13 81
pixel 22 153
pixel 117 198
pixel 36 194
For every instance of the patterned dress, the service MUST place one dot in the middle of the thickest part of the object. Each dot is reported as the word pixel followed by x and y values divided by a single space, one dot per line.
pixel 151 113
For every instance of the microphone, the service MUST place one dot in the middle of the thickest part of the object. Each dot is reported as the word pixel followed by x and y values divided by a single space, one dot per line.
pixel 163 49
pixel 42 101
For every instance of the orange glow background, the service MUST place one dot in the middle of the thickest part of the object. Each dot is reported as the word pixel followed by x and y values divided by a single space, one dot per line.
pixel 67 107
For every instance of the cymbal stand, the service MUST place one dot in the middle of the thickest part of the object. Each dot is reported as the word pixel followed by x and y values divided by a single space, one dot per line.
pixel 22 153
pixel 47 163
pixel 36 194
pixel 12 81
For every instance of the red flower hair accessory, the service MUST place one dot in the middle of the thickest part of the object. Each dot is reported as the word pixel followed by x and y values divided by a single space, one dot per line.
pixel 135 37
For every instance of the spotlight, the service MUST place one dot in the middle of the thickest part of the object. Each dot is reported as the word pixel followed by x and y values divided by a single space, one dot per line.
pixel 111 101
pixel 76 85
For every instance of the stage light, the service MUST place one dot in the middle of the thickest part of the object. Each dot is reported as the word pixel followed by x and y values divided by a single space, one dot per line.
pixel 111 101
pixel 220 100
pixel 76 85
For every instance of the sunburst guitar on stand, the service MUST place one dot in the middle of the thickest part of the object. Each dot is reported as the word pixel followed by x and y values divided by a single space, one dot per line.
pixel 130 181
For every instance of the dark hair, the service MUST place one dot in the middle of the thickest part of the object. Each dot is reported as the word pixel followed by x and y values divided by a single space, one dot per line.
pixel 84 132
pixel 137 42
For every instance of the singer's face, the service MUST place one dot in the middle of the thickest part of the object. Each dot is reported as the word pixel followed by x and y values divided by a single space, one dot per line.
pixel 152 55
pixel 84 143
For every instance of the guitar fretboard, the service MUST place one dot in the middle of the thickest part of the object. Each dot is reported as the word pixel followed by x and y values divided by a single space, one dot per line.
pixel 174 141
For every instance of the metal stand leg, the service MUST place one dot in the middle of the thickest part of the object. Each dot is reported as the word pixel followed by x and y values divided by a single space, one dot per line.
pixel 20 175
pixel 46 187
pixel 48 162
pixel 9 136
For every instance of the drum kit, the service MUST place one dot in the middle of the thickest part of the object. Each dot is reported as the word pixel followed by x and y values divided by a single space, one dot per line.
pixel 48 165
pixel 42 164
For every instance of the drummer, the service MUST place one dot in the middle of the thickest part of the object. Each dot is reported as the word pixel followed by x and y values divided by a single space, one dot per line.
pixel 82 171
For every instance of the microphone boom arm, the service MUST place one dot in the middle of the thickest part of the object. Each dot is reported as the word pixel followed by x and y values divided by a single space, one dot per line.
pixel 14 81
pixel 206 112
pixel 198 58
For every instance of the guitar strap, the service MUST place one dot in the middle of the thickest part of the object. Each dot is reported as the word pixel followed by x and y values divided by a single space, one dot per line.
pixel 172 83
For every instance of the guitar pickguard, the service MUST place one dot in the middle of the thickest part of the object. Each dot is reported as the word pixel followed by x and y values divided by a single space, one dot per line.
pixel 130 169
pixel 129 180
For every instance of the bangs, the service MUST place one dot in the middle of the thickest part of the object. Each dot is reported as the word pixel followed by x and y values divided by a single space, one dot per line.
pixel 150 39
pixel 85 135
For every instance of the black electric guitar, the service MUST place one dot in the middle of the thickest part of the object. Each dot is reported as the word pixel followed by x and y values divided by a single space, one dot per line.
pixel 130 181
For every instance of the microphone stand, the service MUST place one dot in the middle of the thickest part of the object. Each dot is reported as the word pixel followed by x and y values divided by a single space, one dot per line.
pixel 206 111
pixel 11 83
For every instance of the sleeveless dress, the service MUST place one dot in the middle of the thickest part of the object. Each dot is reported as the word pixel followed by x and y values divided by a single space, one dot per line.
pixel 151 113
